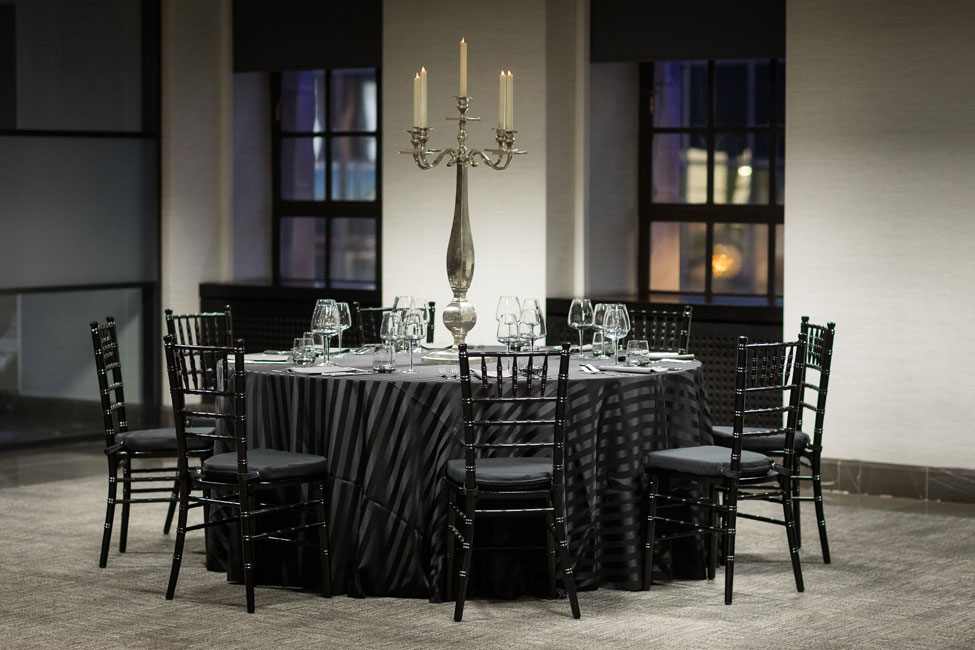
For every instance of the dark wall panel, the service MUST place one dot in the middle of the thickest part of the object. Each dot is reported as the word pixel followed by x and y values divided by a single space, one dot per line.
pixel 301 34
pixel 624 30
pixel 8 67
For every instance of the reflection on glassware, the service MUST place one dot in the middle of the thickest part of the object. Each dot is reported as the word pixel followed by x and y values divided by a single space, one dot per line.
pixel 345 319
pixel 413 331
pixel 507 305
pixel 403 302
pixel 638 353
pixel 581 318
pixel 303 351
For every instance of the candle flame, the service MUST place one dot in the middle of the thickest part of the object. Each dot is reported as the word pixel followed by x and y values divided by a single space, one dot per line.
pixel 423 70
pixel 461 39
pixel 417 76
pixel 509 73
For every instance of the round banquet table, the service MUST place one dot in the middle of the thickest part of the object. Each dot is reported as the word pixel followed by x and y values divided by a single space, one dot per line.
pixel 388 437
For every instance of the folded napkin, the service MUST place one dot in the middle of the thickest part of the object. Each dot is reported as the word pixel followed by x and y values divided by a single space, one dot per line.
pixel 656 356
pixel 324 370
pixel 264 357
pixel 645 370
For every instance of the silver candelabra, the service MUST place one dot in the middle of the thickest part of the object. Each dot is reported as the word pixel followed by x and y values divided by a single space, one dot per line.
pixel 459 315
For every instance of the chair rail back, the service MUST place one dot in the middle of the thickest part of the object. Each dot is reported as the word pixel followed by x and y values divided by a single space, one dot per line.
pixel 485 405
pixel 767 369
pixel 108 366
pixel 666 331
pixel 367 320
pixel 819 357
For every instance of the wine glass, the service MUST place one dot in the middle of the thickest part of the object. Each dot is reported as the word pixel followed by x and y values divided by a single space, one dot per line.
pixel 423 308
pixel 345 319
pixel 391 329
pixel 507 305
pixel 508 330
pixel 598 315
pixel 531 326
pixel 401 303
pixel 413 330
pixel 324 323
pixel 581 318
pixel 616 325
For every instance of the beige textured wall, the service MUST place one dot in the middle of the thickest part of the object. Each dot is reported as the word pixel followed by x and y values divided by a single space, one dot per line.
pixel 880 234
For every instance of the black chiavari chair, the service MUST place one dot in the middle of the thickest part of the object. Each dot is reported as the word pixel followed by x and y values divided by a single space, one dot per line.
pixel 665 331
pixel 808 449
pixel 735 474
pixel 510 418
pixel 239 476
pixel 367 320
pixel 127 449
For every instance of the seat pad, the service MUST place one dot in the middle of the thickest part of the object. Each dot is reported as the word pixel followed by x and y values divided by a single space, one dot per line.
pixel 500 473
pixel 723 436
pixel 164 439
pixel 706 460
pixel 266 465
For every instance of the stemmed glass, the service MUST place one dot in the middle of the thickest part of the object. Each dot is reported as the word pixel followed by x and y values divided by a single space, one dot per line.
pixel 598 315
pixel 391 329
pixel 423 309
pixel 413 331
pixel 531 326
pixel 345 319
pixel 325 323
pixel 616 325
pixel 507 305
pixel 581 318
pixel 401 303
pixel 508 330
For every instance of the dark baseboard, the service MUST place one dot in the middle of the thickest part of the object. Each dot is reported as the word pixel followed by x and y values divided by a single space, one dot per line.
pixel 910 481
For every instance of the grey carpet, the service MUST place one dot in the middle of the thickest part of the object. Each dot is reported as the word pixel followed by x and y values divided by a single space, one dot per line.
pixel 898 580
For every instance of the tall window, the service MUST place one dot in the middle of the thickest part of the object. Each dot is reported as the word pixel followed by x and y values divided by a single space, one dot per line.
pixel 712 175
pixel 327 204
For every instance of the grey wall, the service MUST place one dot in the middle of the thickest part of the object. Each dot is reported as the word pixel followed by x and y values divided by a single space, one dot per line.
pixel 250 213
pixel 879 228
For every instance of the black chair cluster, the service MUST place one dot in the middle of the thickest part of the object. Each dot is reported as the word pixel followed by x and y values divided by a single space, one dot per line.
pixel 366 322
pixel 665 331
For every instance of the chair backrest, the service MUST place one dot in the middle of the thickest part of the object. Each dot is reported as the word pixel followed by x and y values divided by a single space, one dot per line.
pixel 108 365
pixel 500 407
pixel 768 369
pixel 666 331
pixel 819 357
pixel 367 320
pixel 205 329
pixel 194 372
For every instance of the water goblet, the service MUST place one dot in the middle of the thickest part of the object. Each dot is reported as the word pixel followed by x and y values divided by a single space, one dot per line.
pixel 413 331
pixel 581 318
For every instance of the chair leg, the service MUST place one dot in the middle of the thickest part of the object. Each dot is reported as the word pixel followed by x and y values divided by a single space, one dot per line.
pixel 172 507
pixel 449 546
pixel 467 546
pixel 731 500
pixel 323 540
pixel 247 528
pixel 649 531
pixel 818 500
pixel 563 545
pixel 123 532
pixel 714 519
pixel 785 484
pixel 109 509
pixel 184 492
pixel 795 498
pixel 550 546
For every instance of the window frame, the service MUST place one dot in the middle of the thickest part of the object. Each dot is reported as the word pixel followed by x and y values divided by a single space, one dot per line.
pixel 769 213
pixel 328 209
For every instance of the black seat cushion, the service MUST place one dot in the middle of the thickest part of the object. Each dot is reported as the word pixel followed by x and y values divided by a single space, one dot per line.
pixel 163 439
pixel 500 473
pixel 266 465
pixel 707 460
pixel 723 436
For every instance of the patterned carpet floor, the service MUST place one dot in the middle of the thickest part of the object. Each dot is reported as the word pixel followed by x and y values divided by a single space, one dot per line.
pixel 898 580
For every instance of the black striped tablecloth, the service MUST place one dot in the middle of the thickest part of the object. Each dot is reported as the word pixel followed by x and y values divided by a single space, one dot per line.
pixel 388 438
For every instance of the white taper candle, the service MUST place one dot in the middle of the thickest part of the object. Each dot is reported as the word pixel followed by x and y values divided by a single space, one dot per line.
pixel 423 97
pixel 463 68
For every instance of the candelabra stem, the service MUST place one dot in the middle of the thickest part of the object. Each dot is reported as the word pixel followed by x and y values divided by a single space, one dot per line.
pixel 459 315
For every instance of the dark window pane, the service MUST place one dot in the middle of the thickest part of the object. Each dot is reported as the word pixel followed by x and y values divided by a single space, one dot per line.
pixel 739 263
pixel 780 92
pixel 354 168
pixel 303 169
pixel 741 93
pixel 303 101
pixel 680 168
pixel 677 256
pixel 302 248
pixel 741 171
pixel 354 105
pixel 680 93
pixel 779 258
pixel 352 259
pixel 780 169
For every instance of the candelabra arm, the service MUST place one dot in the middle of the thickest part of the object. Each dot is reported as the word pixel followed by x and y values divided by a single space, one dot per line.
pixel 418 140
pixel 500 164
